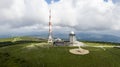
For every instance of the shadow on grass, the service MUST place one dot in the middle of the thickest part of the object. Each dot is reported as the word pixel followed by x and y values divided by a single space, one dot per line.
pixel 8 43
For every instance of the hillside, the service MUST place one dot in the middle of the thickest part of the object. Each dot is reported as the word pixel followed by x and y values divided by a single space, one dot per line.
pixel 35 52
pixel 80 36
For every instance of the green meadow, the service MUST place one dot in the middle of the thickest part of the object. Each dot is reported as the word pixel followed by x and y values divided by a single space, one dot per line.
pixel 34 52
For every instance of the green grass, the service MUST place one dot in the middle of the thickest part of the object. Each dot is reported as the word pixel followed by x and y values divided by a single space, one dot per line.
pixel 41 55
pixel 99 44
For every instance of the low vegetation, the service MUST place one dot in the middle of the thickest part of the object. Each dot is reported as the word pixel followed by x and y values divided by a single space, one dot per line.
pixel 37 53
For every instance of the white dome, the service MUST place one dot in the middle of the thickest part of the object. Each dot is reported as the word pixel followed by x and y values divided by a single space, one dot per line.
pixel 72 32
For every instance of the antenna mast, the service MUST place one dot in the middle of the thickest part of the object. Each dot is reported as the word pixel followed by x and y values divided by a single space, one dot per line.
pixel 50 38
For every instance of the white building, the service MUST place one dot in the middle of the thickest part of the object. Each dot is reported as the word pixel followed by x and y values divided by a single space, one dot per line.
pixel 72 37
pixel 73 40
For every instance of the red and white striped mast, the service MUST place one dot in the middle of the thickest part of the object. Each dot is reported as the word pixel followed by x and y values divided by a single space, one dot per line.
pixel 50 38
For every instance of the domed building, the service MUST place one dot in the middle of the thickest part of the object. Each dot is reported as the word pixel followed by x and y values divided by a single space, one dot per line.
pixel 72 38
pixel 73 41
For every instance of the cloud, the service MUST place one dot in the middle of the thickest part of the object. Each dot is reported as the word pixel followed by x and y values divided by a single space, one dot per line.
pixel 79 15
pixel 23 13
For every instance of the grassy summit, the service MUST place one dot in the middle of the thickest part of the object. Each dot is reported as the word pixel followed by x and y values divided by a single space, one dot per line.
pixel 33 52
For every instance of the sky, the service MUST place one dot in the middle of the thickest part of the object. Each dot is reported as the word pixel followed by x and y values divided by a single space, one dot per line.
pixel 18 17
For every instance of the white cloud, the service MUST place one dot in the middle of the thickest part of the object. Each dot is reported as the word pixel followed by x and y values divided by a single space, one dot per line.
pixel 81 15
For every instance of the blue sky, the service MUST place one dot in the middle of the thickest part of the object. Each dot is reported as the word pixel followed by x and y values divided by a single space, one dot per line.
pixel 116 0
pixel 49 1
